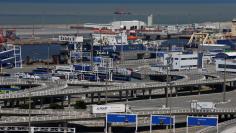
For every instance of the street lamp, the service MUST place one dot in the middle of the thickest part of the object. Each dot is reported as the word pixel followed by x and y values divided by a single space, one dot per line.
pixel 122 49
pixel 224 85
pixel 91 51
pixel 1 66
pixel 168 80
pixel 29 104
pixel 171 91
pixel 107 72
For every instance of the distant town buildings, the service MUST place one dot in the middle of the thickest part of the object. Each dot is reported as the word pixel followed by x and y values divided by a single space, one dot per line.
pixel 150 20
pixel 233 28
pixel 128 25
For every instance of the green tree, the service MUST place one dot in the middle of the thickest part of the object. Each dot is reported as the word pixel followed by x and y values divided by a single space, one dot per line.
pixel 55 106
pixel 80 105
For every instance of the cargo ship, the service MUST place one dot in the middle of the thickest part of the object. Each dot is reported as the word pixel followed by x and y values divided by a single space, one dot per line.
pixel 229 42
pixel 118 45
pixel 104 43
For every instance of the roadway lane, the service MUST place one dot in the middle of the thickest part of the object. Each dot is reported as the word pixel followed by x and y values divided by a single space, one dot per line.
pixel 230 130
pixel 184 101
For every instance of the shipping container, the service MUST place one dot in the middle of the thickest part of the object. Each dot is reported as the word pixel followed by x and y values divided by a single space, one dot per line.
pixel 195 105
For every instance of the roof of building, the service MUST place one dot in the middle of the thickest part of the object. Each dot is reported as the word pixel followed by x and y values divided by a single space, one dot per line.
pixel 225 54
pixel 215 45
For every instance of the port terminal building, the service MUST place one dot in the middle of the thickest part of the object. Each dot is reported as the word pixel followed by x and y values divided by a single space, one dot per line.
pixel 178 60
pixel 116 25
pixel 226 61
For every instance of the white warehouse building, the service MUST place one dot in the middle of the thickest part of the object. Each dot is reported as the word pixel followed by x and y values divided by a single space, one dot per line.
pixel 179 61
pixel 183 61
pixel 226 62
pixel 128 25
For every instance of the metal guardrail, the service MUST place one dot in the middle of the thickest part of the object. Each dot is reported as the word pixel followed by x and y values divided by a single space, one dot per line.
pixel 43 112
pixel 57 88
pixel 188 111
pixel 221 127
pixel 136 62
pixel 47 118
pixel 137 86
pixel 81 116
pixel 76 82
pixel 37 129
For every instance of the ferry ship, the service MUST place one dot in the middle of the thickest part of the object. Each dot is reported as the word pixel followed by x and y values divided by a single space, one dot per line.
pixel 117 44
pixel 229 42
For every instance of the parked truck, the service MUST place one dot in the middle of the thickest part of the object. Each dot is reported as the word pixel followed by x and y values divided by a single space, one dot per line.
pixel 198 106
pixel 109 108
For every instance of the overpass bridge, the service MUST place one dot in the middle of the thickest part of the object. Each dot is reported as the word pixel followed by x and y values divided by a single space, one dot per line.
pixel 62 91
pixel 68 88
pixel 85 116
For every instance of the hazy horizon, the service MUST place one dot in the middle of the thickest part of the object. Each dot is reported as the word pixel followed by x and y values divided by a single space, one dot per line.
pixel 89 11
pixel 119 1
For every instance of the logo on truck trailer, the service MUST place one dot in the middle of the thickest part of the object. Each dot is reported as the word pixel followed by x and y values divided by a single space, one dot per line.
pixel 109 108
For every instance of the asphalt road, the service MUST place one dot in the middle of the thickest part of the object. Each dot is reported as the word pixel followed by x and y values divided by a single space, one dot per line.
pixel 184 101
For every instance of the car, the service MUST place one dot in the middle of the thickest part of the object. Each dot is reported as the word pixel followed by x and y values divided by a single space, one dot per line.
pixel 55 78
pixel 9 65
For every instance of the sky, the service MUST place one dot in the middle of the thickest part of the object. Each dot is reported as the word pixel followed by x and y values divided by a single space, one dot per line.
pixel 120 1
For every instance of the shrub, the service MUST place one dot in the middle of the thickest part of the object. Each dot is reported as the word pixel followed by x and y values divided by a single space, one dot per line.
pixel 80 105
pixel 55 106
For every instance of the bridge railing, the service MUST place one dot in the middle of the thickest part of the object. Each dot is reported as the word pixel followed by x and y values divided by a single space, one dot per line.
pixel 44 118
pixel 188 111
pixel 221 127
pixel 37 129
pixel 45 111
pixel 58 90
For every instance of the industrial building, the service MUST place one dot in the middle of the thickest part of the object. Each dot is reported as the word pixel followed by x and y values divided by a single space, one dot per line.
pixel 178 61
pixel 150 20
pixel 233 28
pixel 115 25
pixel 128 25
pixel 182 61
pixel 226 62
pixel 97 26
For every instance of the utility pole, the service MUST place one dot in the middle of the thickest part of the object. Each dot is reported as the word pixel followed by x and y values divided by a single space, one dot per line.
pixel 171 92
pixel 167 82
pixel 122 52
pixel 91 51
pixel 107 71
pixel 224 85
pixel 29 104
pixel 48 58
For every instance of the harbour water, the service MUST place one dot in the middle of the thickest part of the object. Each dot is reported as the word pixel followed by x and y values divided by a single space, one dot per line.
pixel 40 52
pixel 45 12
pixel 65 12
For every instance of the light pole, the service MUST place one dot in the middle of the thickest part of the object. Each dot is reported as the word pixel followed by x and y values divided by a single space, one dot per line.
pixel 168 80
pixel 1 67
pixel 107 71
pixel 171 91
pixel 156 52
pixel 29 104
pixel 224 85
pixel 122 46
pixel 91 51
pixel 48 58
